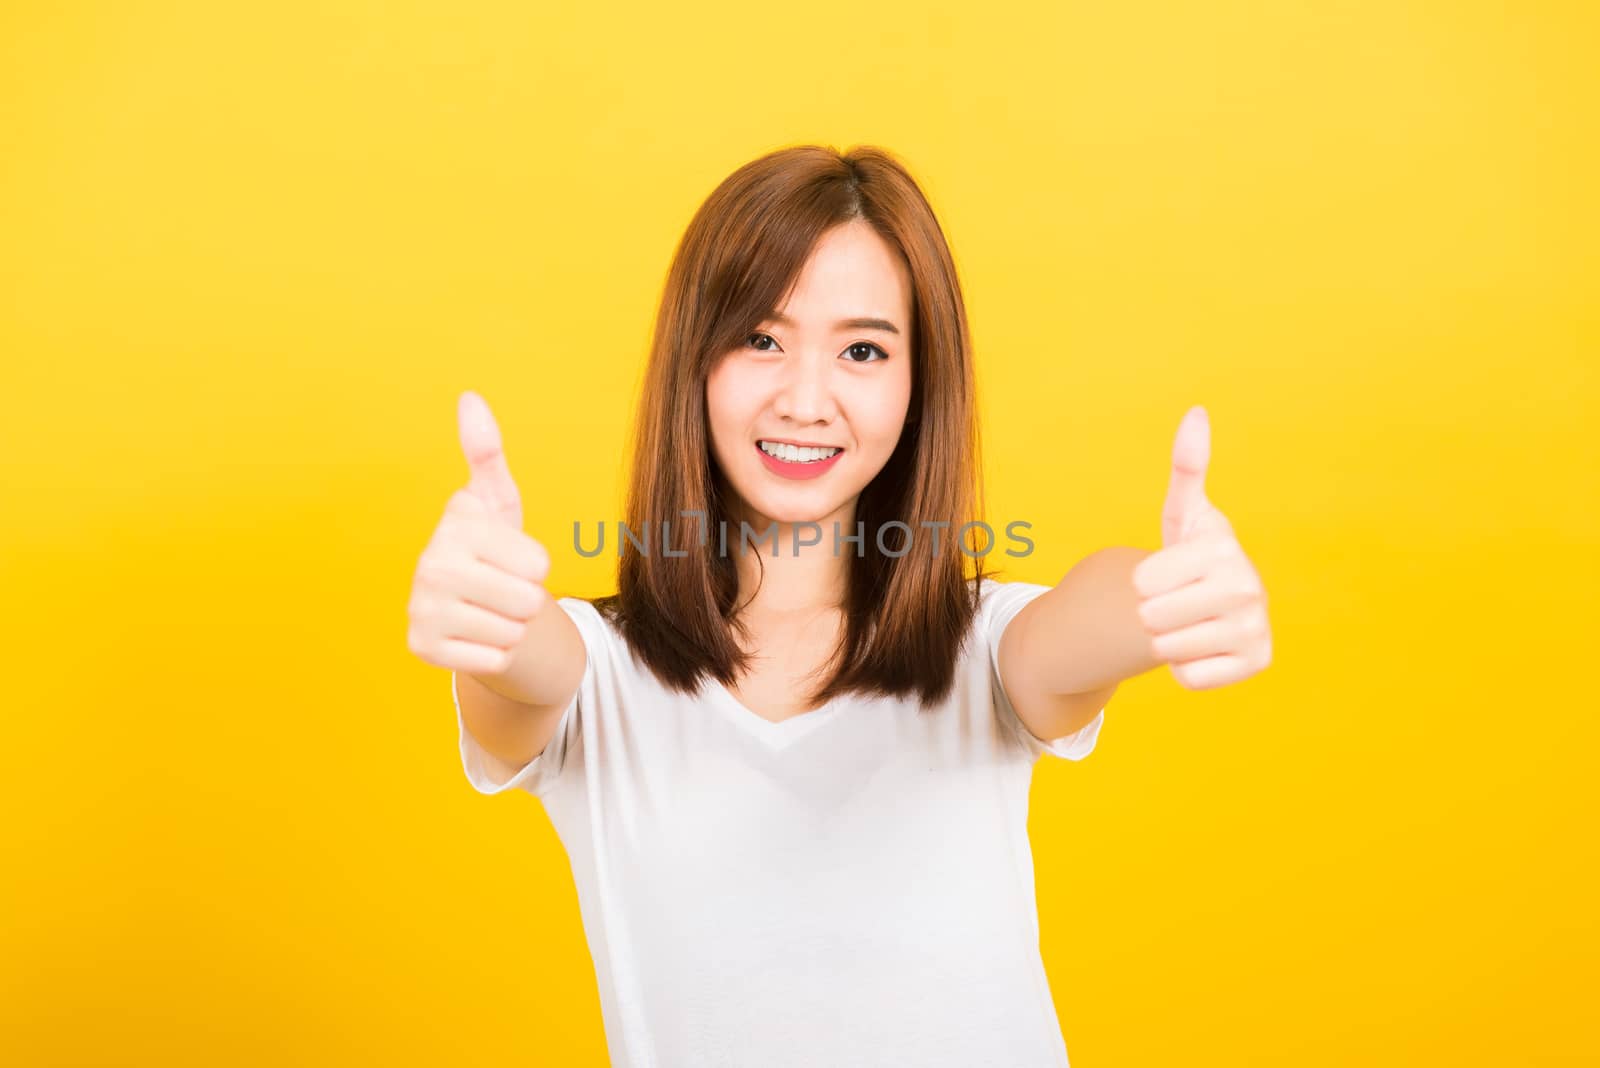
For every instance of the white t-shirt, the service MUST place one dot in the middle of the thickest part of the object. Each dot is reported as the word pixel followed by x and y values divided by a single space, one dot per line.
pixel 850 886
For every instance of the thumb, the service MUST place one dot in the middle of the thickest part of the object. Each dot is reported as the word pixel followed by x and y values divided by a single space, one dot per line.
pixel 1186 493
pixel 491 479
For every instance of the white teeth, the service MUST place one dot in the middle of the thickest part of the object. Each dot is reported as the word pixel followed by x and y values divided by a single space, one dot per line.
pixel 794 454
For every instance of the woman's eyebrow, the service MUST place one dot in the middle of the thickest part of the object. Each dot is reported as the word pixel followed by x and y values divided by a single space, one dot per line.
pixel 859 323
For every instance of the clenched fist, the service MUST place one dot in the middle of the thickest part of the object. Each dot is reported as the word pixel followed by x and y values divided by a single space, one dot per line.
pixel 480 581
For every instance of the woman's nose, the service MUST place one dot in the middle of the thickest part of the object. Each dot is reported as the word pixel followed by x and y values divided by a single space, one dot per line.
pixel 806 395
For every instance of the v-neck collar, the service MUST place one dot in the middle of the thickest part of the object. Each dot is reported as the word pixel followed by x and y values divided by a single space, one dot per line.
pixel 778 734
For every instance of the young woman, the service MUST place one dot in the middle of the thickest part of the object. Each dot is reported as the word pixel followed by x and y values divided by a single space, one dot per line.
pixel 792 776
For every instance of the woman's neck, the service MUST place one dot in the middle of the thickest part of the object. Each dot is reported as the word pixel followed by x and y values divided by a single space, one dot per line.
pixel 787 588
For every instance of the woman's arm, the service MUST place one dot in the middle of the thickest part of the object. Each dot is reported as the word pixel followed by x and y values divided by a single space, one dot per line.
pixel 514 715
pixel 1197 604
pixel 1066 652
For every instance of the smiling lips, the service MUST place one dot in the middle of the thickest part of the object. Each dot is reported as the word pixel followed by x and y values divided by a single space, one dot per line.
pixel 796 470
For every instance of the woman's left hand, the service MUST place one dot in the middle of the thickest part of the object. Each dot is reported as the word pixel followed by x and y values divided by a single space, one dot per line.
pixel 1200 597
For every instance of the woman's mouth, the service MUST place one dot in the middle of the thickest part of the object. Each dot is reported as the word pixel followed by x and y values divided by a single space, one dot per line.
pixel 797 462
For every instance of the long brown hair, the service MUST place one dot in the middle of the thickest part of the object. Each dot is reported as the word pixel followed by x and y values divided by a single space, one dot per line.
pixel 905 616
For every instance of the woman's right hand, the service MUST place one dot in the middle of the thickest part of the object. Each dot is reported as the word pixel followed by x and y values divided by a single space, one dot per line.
pixel 480 581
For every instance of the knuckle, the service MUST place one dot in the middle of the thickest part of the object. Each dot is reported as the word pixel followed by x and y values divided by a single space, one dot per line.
pixel 463 503
pixel 535 599
pixel 443 573
pixel 535 559
pixel 461 529
pixel 1141 580
pixel 431 576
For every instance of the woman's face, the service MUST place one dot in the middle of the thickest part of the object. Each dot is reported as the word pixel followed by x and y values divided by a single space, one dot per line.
pixel 808 377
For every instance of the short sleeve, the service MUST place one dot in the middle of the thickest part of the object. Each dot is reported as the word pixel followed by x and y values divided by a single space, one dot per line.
pixel 1000 604
pixel 488 774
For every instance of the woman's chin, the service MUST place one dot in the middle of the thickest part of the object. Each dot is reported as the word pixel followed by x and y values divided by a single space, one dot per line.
pixel 792 511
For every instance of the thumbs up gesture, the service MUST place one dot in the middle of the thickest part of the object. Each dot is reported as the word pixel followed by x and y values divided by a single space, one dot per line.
pixel 480 580
pixel 1200 597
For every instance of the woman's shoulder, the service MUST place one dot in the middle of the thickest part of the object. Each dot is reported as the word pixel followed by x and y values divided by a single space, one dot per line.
pixel 585 607
pixel 598 627
pixel 995 592
pixel 999 601
pixel 601 622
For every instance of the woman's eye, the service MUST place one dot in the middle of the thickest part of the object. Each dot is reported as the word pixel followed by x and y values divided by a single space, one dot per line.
pixel 869 346
pixel 756 340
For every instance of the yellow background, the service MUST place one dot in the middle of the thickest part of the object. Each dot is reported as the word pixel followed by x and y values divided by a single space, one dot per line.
pixel 250 256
